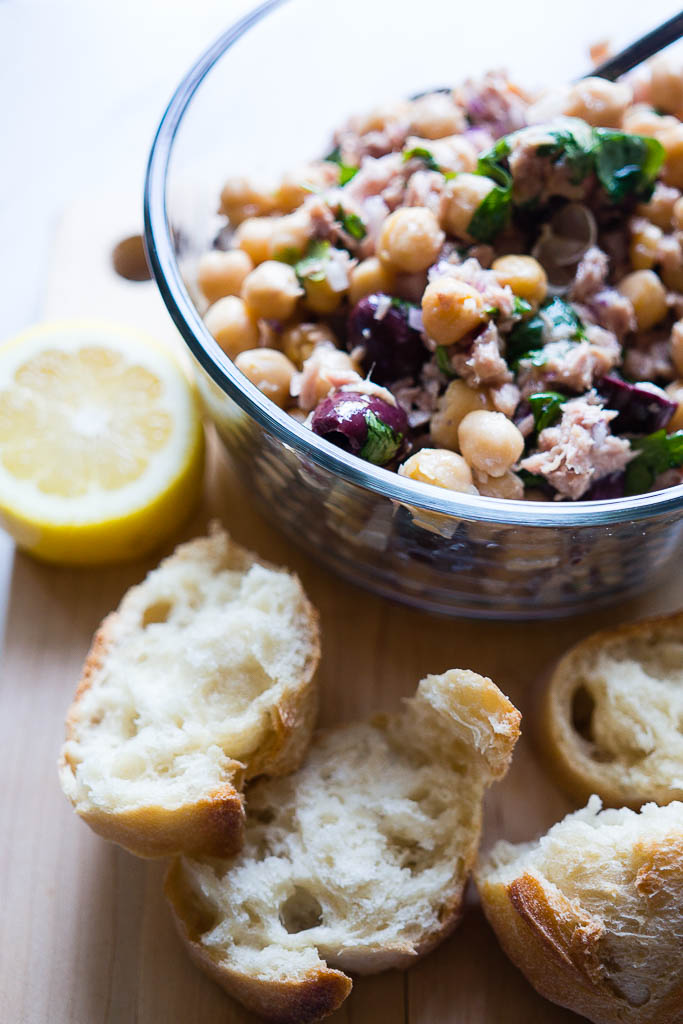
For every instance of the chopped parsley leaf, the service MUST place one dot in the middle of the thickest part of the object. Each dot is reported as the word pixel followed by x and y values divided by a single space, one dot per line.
pixel 656 453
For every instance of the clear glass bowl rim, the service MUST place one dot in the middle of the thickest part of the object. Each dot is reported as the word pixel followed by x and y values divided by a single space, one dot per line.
pixel 161 255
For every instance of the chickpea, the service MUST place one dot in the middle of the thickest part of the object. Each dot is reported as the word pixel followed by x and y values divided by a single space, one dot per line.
pixel 223 273
pixel 440 468
pixel 676 345
pixel 320 297
pixel 270 371
pixel 290 235
pixel 435 116
pixel 666 85
pixel 644 245
pixel 675 393
pixel 525 276
pixel 641 119
pixel 462 197
pixel 410 239
pixel 253 236
pixel 671 271
pixel 380 118
pixel 299 341
pixel 490 442
pixel 598 102
pixel 241 199
pixel 296 186
pixel 271 290
pixel 508 485
pixel 677 214
pixel 457 400
pixel 660 208
pixel 451 309
pixel 369 276
pixel 233 326
pixel 455 153
pixel 672 171
pixel 647 295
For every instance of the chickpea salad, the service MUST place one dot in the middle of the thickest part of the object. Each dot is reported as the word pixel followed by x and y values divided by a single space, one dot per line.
pixel 478 288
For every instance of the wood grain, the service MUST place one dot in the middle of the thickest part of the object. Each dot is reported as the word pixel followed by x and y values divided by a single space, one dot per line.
pixel 85 935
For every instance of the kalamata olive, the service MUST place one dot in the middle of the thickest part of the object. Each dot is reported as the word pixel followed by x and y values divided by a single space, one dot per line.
pixel 388 330
pixel 611 486
pixel 364 425
pixel 642 407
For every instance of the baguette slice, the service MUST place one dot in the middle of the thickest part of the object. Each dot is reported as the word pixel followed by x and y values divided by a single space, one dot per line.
pixel 592 913
pixel 611 716
pixel 358 861
pixel 202 679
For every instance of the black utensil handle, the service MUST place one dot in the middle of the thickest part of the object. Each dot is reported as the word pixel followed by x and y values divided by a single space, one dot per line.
pixel 639 51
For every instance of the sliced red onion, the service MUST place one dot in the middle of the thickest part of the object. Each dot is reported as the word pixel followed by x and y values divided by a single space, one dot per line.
pixel 642 407
pixel 415 319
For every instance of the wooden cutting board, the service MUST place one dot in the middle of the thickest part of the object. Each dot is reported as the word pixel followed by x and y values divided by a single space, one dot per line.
pixel 85 935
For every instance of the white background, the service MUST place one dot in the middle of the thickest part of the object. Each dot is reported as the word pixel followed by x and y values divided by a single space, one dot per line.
pixel 83 84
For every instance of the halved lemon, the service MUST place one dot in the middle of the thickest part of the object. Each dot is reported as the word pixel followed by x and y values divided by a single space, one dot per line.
pixel 101 442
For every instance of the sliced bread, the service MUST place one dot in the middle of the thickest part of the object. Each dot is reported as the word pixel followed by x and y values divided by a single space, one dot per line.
pixel 358 861
pixel 592 912
pixel 611 715
pixel 201 679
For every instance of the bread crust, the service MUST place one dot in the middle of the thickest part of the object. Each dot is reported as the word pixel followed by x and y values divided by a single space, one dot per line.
pixel 559 948
pixel 213 825
pixel 479 716
pixel 567 754
pixel 301 1000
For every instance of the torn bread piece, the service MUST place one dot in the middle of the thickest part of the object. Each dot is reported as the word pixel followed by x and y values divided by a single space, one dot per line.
pixel 358 861
pixel 592 913
pixel 611 715
pixel 201 679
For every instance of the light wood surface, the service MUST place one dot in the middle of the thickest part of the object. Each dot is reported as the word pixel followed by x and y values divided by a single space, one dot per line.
pixel 85 935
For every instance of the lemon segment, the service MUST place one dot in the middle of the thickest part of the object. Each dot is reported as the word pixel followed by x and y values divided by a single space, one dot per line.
pixel 101 442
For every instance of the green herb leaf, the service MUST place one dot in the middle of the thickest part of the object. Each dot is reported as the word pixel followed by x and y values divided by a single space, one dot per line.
pixel 493 212
pixel 421 154
pixel 533 480
pixel 492 163
pixel 626 165
pixel 313 265
pixel 574 147
pixel 521 307
pixel 527 338
pixel 346 171
pixel 427 157
pixel 545 406
pixel 382 442
pixel 444 363
pixel 289 254
pixel 524 339
pixel 656 453
pixel 351 223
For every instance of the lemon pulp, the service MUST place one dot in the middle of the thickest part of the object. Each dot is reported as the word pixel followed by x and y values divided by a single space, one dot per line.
pixel 101 445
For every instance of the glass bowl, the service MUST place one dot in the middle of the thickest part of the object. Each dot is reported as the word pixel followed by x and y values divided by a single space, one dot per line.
pixel 266 96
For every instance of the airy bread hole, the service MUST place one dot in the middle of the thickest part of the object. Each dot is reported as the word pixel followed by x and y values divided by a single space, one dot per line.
pixel 632 990
pixel 583 707
pixel 263 814
pixel 157 612
pixel 300 911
